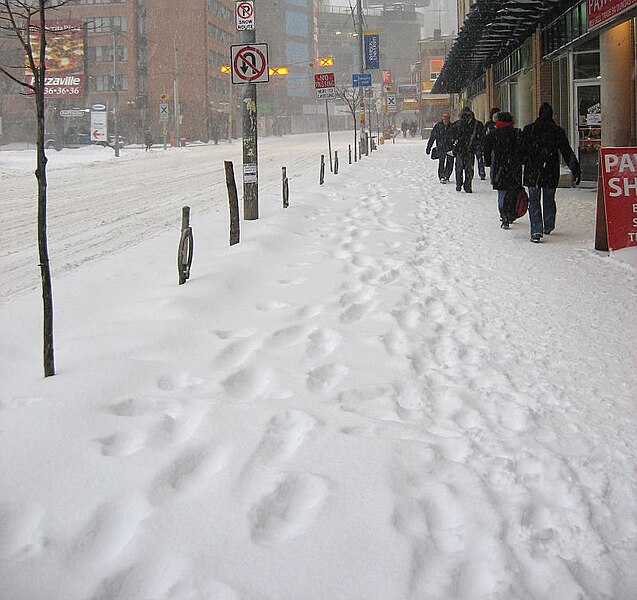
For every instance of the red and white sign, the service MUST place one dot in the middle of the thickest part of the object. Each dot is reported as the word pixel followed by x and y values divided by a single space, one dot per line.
pixel 386 76
pixel 64 59
pixel 244 11
pixel 619 177
pixel 250 63
pixel 325 86
pixel 603 11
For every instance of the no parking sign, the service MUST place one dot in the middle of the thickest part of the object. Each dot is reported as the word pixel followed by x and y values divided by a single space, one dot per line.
pixel 244 12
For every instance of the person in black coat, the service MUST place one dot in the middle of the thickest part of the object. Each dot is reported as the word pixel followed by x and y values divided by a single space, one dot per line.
pixel 503 154
pixel 465 136
pixel 440 136
pixel 489 128
pixel 543 142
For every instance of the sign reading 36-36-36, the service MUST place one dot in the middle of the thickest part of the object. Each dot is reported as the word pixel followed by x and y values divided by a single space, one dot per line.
pixel 250 63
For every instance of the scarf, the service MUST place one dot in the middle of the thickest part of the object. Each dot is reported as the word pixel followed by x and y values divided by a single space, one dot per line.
pixel 501 124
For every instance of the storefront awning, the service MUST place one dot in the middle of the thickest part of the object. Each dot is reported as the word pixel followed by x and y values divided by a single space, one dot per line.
pixel 492 30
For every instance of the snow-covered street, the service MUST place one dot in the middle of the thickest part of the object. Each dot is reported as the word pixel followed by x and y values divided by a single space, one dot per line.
pixel 377 395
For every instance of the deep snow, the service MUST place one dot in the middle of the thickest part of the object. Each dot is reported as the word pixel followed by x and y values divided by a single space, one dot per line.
pixel 378 394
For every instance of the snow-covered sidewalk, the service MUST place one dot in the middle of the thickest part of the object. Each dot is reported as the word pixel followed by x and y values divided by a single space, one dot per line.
pixel 378 394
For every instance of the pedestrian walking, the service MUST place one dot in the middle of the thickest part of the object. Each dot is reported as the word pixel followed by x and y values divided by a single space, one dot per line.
pixel 480 153
pixel 404 126
pixel 465 137
pixel 442 149
pixel 148 139
pixel 489 128
pixel 503 154
pixel 543 141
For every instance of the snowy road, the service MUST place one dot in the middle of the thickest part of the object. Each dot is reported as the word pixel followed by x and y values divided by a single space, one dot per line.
pixel 98 205
pixel 378 394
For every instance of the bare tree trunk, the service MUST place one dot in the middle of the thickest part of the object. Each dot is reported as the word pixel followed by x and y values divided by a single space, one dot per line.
pixel 40 174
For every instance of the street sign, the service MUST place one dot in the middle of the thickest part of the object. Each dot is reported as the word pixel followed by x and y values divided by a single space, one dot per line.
pixel 386 76
pixel 72 112
pixel 164 113
pixel 391 103
pixel 361 79
pixel 244 12
pixel 325 86
pixel 99 122
pixel 164 97
pixel 250 63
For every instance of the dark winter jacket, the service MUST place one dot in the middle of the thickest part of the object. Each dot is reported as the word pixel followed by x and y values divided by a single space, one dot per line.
pixel 543 141
pixel 440 135
pixel 503 153
pixel 466 134
pixel 489 126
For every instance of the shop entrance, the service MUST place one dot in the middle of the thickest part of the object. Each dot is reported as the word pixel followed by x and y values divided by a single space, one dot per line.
pixel 588 127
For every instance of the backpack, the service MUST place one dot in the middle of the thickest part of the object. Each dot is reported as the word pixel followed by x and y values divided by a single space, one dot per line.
pixel 516 203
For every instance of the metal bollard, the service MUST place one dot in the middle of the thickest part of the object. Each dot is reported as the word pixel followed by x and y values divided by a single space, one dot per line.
pixel 285 187
pixel 322 175
pixel 335 162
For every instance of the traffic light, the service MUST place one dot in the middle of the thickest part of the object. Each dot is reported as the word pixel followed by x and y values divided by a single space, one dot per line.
pixel 226 69
pixel 326 62
pixel 278 71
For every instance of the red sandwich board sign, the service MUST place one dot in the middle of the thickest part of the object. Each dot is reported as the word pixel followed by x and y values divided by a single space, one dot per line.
pixel 618 168
pixel 250 63
pixel 325 86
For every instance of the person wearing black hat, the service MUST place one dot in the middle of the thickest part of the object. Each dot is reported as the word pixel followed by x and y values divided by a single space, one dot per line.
pixel 465 136
pixel 440 136
pixel 489 128
pixel 502 153
pixel 543 141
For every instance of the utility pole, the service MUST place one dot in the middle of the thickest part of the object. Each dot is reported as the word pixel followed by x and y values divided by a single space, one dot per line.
pixel 361 65
pixel 176 98
pixel 116 92
pixel 250 161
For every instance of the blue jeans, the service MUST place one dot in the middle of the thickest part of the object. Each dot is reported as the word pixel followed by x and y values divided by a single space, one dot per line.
pixel 542 221
pixel 480 160
pixel 501 196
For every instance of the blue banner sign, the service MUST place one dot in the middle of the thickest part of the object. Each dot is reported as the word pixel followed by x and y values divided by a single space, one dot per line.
pixel 361 79
pixel 372 49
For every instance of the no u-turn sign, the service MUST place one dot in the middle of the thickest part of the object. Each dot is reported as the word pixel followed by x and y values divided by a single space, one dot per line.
pixel 250 63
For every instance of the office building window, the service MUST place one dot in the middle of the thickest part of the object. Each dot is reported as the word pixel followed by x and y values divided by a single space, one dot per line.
pixel 104 83
pixel 106 24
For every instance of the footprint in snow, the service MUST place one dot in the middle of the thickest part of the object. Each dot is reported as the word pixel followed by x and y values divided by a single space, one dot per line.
pixel 287 510
pixel 20 530
pixel 107 532
pixel 325 377
pixel 189 469
pixel 322 342
pixel 122 443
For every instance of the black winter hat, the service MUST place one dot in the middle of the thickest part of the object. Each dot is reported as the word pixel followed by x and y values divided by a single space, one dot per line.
pixel 505 117
pixel 493 112
pixel 546 111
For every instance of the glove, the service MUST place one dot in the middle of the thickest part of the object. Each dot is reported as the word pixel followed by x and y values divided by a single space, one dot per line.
pixel 428 150
pixel 577 177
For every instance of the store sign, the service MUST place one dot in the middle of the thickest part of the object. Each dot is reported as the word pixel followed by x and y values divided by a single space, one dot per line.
pixel 603 11
pixel 619 178
pixel 64 58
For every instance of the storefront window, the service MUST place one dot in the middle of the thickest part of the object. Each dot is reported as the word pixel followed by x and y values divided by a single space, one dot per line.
pixel 586 65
